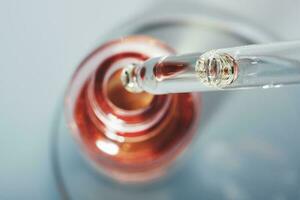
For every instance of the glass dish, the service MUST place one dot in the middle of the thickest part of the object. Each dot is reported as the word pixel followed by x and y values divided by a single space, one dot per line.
pixel 240 152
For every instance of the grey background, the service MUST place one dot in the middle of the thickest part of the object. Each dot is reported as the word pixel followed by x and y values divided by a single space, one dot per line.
pixel 42 41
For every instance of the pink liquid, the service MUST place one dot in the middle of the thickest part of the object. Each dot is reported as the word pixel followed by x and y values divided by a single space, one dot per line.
pixel 164 124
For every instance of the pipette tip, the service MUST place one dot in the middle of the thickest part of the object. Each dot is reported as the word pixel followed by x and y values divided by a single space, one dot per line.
pixel 129 79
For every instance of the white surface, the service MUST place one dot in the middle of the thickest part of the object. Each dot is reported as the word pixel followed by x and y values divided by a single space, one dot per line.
pixel 41 42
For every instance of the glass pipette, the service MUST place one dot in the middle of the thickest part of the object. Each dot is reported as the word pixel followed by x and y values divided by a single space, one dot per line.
pixel 254 66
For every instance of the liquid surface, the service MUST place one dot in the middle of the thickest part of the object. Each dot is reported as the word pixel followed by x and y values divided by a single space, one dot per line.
pixel 131 137
pixel 164 140
pixel 123 99
pixel 173 129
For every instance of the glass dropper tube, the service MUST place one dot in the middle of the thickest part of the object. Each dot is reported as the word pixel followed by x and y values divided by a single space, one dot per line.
pixel 254 66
